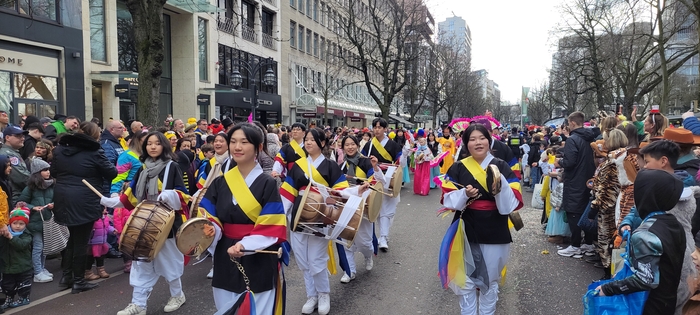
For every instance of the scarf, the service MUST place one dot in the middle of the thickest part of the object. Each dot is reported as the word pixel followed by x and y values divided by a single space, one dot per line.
pixel 147 184
pixel 352 161
pixel 220 159
pixel 15 234
pixel 47 183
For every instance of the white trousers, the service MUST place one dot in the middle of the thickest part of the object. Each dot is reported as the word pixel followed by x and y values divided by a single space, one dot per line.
pixel 264 301
pixel 496 257
pixel 362 244
pixel 169 264
pixel 311 254
pixel 386 215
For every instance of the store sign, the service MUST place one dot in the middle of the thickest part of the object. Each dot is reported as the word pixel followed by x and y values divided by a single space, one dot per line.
pixel 308 115
pixel 355 119
pixel 28 63
pixel 121 91
pixel 203 99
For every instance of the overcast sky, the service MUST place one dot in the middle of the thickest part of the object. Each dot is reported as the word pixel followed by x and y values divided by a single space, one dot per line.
pixel 510 38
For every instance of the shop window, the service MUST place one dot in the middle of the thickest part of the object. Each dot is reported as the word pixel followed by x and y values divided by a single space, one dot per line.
pixel 41 9
pixel 98 46
pixel 5 91
pixel 202 46
pixel 35 87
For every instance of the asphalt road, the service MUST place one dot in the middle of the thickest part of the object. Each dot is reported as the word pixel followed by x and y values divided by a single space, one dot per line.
pixel 403 281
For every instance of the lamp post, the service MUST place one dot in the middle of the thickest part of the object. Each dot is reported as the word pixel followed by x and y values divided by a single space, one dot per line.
pixel 254 68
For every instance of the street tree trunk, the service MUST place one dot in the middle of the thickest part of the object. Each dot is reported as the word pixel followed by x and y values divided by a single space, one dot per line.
pixel 148 34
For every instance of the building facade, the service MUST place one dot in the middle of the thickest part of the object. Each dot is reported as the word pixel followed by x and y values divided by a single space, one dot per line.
pixel 454 31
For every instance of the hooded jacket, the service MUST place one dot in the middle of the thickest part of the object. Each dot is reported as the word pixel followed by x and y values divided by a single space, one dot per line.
pixel 79 157
pixel 112 149
pixel 5 193
pixel 579 167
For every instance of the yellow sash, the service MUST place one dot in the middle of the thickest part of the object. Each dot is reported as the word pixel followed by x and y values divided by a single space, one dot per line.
pixel 382 151
pixel 297 149
pixel 304 164
pixel 244 197
pixel 475 169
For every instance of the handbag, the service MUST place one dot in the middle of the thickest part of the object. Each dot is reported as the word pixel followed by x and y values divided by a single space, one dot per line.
pixel 55 236
pixel 621 304
pixel 536 201
pixel 585 223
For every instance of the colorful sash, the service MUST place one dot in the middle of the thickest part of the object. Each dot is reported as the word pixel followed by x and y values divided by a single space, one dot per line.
pixel 297 148
pixel 475 169
pixel 315 175
pixel 236 183
pixel 381 150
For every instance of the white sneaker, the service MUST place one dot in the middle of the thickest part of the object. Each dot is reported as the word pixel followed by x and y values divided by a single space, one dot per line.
pixel 42 278
pixel 324 303
pixel 46 272
pixel 132 309
pixel 570 252
pixel 345 278
pixel 586 248
pixel 369 263
pixel 174 303
pixel 382 244
pixel 210 275
pixel 310 305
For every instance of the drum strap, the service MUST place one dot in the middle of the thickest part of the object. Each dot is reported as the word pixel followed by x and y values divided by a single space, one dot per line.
pixel 245 199
pixel 165 176
pixel 476 170
pixel 312 172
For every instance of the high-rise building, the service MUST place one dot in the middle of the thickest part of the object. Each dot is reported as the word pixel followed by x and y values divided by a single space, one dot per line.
pixel 455 32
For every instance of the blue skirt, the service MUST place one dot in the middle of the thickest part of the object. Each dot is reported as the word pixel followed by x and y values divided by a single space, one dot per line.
pixel 434 171
pixel 406 174
pixel 556 225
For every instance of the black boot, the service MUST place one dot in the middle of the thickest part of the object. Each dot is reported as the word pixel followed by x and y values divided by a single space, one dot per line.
pixel 81 285
pixel 66 280
pixel 606 274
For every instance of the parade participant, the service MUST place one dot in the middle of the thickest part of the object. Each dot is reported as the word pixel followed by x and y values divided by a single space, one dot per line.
pixel 357 166
pixel 485 219
pixel 404 142
pixel 290 152
pixel 422 180
pixel 434 148
pixel 311 252
pixel 159 179
pixel 386 151
pixel 246 207
pixel 448 145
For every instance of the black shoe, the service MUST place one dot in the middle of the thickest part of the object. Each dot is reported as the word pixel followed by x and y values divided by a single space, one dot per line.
pixel 82 286
pixel 66 280
pixel 113 254
pixel 599 265
pixel 592 259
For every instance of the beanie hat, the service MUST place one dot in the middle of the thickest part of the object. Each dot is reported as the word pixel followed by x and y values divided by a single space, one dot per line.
pixel 192 121
pixel 38 165
pixel 20 214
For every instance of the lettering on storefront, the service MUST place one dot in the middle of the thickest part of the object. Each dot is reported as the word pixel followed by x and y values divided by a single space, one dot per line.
pixel 11 60
pixel 355 119
pixel 132 81
pixel 203 99
pixel 260 101
pixel 121 91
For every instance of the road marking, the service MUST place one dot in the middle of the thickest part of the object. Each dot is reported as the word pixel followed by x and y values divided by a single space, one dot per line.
pixel 55 296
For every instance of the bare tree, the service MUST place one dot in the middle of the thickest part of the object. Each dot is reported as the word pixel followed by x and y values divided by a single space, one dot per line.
pixel 541 107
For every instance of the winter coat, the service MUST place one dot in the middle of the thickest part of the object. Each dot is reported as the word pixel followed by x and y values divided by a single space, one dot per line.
pixel 20 172
pixel 690 166
pixel 692 124
pixel 37 198
pixel 55 129
pixel 112 148
pixel 128 164
pixel 121 215
pixel 16 254
pixel 28 149
pixel 79 157
pixel 100 230
pixel 578 167
pixel 534 154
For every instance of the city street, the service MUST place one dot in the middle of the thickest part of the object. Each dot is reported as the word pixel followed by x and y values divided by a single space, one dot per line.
pixel 403 281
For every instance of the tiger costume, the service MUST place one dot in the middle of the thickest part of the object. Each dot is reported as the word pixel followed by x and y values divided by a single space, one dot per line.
pixel 627 169
pixel 606 188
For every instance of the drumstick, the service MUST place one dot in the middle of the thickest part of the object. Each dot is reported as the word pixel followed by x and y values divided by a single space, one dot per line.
pixel 97 192
pixel 259 251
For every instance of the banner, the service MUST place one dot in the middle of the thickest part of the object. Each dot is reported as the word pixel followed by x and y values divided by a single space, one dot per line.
pixel 524 101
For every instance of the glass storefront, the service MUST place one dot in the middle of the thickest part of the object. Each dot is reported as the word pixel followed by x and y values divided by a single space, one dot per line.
pixel 25 94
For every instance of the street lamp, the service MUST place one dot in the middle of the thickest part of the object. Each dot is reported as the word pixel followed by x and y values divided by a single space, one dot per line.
pixel 254 68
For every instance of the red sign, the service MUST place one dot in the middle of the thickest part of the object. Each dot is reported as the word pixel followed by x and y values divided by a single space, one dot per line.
pixel 339 112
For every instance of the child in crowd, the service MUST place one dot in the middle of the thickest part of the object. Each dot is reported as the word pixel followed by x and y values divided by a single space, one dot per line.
pixel 98 247
pixel 16 255
pixel 557 229
pixel 121 215
pixel 38 196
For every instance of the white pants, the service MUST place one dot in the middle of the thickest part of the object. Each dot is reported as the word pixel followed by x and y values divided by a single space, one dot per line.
pixel 362 243
pixel 169 264
pixel 496 257
pixel 264 301
pixel 386 215
pixel 311 254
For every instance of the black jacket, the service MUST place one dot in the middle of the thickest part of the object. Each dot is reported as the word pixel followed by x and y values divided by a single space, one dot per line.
pixel 691 167
pixel 579 167
pixel 534 155
pixel 28 148
pixel 79 157
pixel 112 149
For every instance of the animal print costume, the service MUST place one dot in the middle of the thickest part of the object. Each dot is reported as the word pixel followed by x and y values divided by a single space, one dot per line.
pixel 627 169
pixel 606 189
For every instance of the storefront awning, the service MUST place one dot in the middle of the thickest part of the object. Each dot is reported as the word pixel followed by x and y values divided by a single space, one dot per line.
pixel 310 103
pixel 194 6
pixel 400 120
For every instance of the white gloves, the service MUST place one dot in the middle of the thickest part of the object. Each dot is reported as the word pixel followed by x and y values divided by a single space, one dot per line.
pixel 112 202
pixel 171 198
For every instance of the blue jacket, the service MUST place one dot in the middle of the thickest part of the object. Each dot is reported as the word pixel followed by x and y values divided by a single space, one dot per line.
pixel 112 149
pixel 692 124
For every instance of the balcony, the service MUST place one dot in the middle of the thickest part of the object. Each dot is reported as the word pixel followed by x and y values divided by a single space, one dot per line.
pixel 248 33
pixel 271 2
pixel 268 41
pixel 226 25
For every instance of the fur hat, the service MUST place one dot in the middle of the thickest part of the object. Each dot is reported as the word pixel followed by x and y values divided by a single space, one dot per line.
pixel 20 214
pixel 38 165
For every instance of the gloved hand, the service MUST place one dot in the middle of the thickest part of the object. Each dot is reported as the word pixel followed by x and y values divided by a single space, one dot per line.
pixel 171 198
pixel 111 202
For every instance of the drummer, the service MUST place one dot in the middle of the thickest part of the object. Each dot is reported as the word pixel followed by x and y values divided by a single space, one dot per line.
pixel 357 166
pixel 387 152
pixel 290 152
pixel 245 204
pixel 311 252
pixel 485 220
pixel 148 184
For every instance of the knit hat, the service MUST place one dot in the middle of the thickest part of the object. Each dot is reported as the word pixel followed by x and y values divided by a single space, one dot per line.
pixel 192 121
pixel 38 165
pixel 20 214
pixel 227 122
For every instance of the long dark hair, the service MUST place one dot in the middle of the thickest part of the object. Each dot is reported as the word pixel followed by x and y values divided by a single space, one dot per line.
pixel 167 153
pixel 468 132
pixel 264 134
pixel 251 132
pixel 36 181
pixel 319 136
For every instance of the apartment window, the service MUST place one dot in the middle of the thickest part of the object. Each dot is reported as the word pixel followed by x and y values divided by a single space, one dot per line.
pixel 308 7
pixel 301 6
pixel 308 42
pixel 45 9
pixel 316 10
pixel 202 43
pixel 292 34
pixel 323 14
pixel 292 3
pixel 323 48
pixel 248 14
pixel 315 44
pixel 268 20
pixel 98 46
pixel 301 38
